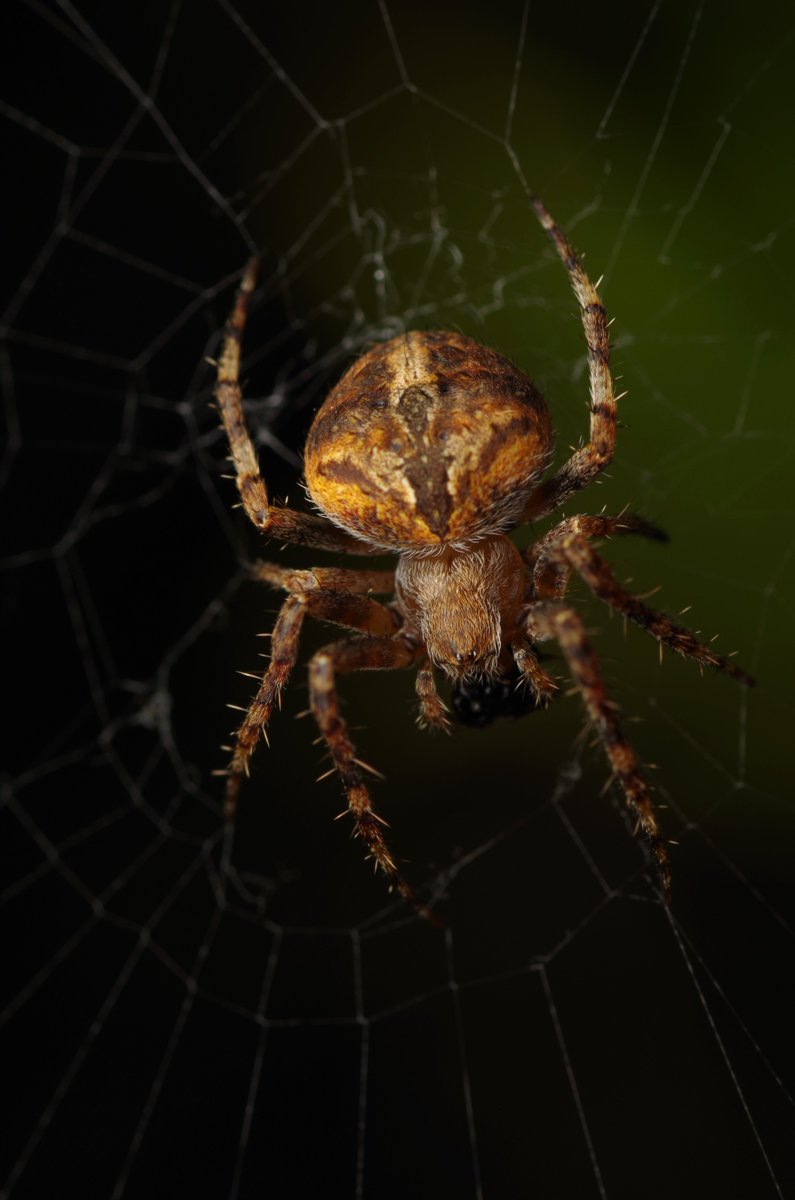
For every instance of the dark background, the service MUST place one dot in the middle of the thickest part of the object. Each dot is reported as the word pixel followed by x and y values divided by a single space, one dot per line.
pixel 254 1015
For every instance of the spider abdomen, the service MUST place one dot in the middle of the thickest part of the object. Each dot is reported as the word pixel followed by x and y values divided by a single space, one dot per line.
pixel 428 439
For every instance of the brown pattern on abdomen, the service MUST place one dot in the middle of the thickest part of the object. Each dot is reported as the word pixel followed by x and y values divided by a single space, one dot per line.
pixel 425 441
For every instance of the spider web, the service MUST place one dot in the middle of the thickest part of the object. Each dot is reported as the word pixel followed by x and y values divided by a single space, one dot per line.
pixel 188 1009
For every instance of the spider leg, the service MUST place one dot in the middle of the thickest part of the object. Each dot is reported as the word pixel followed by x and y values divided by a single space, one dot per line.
pixel 300 528
pixel 587 462
pixel 358 654
pixel 340 608
pixel 337 579
pixel 555 619
pixel 570 550
pixel 284 649
pixel 550 574
pixel 590 527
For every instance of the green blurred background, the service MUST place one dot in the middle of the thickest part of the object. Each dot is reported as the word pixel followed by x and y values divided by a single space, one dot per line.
pixel 565 1037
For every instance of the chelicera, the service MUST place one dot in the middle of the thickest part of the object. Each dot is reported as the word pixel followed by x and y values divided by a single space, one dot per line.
pixel 434 448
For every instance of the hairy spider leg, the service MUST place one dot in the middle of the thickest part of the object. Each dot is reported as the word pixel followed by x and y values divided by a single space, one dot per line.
pixel 299 528
pixel 591 527
pixel 340 608
pixel 587 462
pixel 546 619
pixel 566 548
pixel 284 649
pixel 333 579
pixel 548 578
pixel 359 654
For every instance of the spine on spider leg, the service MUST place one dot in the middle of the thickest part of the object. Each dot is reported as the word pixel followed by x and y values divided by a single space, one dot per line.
pixel 594 457
pixel 583 288
pixel 558 620
pixel 284 650
pixel 250 484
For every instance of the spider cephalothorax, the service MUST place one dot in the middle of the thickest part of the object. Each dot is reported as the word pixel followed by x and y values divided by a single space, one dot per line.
pixel 433 447
pixel 464 602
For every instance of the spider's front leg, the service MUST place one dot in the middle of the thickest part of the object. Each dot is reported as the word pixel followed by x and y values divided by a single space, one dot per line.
pixel 303 529
pixel 359 654
pixel 555 619
pixel 307 596
pixel 587 462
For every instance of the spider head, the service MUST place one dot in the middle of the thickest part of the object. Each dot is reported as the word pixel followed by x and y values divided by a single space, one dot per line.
pixel 462 601
pixel 463 636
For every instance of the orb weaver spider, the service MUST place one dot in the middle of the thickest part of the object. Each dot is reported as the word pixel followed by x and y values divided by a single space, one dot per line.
pixel 433 447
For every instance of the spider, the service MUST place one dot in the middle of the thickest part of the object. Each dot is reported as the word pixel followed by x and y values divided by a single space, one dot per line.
pixel 433 447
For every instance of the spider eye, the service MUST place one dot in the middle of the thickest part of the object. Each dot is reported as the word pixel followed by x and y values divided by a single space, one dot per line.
pixel 465 656
pixel 466 659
